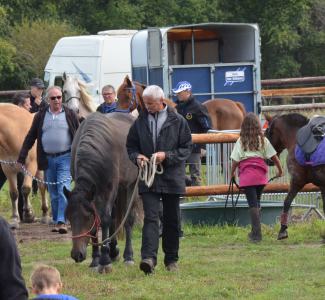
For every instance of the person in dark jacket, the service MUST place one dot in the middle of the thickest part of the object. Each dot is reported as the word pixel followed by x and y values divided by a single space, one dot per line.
pixel 160 131
pixel 12 284
pixel 54 128
pixel 199 121
pixel 36 91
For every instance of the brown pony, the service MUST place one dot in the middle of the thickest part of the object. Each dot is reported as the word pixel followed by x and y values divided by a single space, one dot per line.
pixel 282 135
pixel 15 123
pixel 224 113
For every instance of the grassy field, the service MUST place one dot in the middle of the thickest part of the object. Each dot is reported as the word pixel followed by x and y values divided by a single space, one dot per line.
pixel 215 263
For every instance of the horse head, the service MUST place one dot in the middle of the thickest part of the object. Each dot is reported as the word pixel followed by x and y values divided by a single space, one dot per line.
pixel 129 95
pixel 76 96
pixel 84 221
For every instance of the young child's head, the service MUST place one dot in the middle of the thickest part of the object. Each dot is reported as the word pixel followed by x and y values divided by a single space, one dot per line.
pixel 251 133
pixel 46 280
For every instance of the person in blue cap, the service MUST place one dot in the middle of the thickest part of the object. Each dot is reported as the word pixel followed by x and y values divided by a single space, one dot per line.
pixel 198 120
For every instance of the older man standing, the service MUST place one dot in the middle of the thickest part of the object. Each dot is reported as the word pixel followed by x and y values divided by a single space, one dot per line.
pixel 54 128
pixel 162 132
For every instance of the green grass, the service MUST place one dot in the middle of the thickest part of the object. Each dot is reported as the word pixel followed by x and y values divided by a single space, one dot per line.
pixel 215 263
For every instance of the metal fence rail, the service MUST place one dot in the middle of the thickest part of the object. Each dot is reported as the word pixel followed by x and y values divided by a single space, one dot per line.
pixel 218 166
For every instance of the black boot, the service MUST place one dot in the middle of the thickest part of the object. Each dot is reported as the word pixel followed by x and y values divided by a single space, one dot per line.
pixel 256 234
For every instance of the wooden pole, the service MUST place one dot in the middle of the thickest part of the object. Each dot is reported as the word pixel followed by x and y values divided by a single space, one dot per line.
pixel 293 91
pixel 286 81
pixel 222 189
pixel 212 138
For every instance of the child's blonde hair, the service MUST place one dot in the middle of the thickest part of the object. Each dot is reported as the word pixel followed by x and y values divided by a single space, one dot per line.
pixel 44 277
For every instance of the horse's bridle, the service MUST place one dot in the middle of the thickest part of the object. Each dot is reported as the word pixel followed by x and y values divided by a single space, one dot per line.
pixel 72 97
pixel 96 225
pixel 133 99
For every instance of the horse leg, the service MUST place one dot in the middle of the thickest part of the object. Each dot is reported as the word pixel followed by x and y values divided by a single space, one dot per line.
pixel 12 181
pixel 105 263
pixel 45 207
pixel 293 191
pixel 128 226
pixel 114 252
pixel 28 214
pixel 95 254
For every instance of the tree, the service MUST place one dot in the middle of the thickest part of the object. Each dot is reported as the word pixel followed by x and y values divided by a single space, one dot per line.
pixel 34 42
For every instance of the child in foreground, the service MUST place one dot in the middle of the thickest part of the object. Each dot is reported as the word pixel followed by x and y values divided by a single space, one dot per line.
pixel 47 284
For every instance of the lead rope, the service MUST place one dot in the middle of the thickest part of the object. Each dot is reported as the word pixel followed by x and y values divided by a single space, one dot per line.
pixel 147 174
pixel 149 170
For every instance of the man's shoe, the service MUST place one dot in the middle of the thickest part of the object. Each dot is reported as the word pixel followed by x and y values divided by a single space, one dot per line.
pixel 63 229
pixel 172 267
pixel 147 266
pixel 55 229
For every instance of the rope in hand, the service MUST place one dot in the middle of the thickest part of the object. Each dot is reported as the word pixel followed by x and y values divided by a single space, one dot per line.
pixel 149 169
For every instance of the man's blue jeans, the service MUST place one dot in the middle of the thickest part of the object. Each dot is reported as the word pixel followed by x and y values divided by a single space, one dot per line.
pixel 58 170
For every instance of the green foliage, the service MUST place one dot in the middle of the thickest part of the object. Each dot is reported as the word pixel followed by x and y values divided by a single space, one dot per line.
pixel 292 32
pixel 31 44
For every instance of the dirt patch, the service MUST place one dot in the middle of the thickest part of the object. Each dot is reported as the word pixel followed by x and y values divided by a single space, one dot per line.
pixel 37 231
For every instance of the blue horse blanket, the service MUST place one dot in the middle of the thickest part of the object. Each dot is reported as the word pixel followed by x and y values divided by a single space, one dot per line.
pixel 315 159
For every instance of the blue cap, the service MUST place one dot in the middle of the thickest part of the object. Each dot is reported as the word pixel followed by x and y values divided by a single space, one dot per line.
pixel 182 86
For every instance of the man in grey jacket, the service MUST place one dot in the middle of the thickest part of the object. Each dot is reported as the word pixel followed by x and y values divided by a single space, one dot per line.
pixel 160 130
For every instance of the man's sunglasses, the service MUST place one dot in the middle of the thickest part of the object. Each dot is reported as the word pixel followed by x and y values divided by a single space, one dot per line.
pixel 56 97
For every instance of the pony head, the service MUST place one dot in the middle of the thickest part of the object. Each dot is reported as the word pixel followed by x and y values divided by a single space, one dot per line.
pixel 84 221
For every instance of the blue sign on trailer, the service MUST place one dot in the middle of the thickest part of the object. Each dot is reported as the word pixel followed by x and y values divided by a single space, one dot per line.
pixel 221 60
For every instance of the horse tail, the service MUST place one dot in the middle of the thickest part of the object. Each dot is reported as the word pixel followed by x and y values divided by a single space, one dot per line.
pixel 241 107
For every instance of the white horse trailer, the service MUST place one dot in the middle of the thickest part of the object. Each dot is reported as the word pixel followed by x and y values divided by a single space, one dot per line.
pixel 99 59
pixel 221 60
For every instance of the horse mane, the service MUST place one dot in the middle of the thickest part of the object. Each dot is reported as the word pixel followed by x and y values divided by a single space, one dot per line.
pixel 294 120
pixel 86 99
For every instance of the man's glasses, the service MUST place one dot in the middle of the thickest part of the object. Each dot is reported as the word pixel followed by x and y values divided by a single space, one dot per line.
pixel 56 97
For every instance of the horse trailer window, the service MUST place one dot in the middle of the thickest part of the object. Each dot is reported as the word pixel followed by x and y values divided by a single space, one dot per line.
pixel 58 81
pixel 154 48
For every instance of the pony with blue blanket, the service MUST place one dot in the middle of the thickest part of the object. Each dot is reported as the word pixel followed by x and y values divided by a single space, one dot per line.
pixel 306 155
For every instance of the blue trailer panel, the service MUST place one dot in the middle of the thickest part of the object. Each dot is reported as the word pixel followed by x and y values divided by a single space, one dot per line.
pixel 221 60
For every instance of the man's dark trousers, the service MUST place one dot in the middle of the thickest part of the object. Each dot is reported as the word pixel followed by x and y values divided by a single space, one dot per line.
pixel 150 230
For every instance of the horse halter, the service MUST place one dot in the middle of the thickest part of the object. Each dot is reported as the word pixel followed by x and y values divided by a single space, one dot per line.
pixel 96 225
pixel 133 99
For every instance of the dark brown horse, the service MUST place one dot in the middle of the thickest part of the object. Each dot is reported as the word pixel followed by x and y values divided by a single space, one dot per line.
pixel 104 181
pixel 282 134
pixel 224 113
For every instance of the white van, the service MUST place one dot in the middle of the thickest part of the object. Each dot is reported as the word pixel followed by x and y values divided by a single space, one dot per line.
pixel 99 59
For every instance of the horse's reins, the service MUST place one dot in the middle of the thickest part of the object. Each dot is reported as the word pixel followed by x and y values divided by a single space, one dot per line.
pixel 231 193
pixel 97 221
pixel 146 174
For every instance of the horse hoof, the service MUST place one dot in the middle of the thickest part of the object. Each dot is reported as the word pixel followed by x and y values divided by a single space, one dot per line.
pixel 116 258
pixel 28 217
pixel 94 263
pixel 129 263
pixel 282 235
pixel 46 220
pixel 105 269
pixel 14 224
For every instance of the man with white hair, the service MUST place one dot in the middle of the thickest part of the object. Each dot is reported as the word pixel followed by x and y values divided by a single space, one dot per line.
pixel 160 131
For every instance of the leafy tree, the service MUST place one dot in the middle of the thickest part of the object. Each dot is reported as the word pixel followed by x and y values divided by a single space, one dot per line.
pixel 34 42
